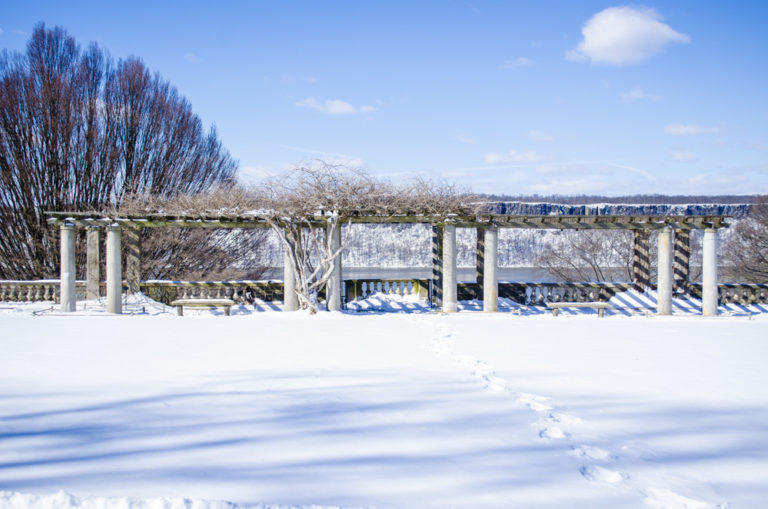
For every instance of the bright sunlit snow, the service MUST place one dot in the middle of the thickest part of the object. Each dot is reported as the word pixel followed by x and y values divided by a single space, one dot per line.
pixel 364 409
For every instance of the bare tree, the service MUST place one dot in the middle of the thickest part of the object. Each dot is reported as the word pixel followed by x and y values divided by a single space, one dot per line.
pixel 588 255
pixel 746 248
pixel 79 133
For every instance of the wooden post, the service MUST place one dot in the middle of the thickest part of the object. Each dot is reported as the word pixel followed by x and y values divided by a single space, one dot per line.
pixel 709 297
pixel 450 288
pixel 93 264
pixel 133 259
pixel 437 265
pixel 641 261
pixel 491 283
pixel 67 289
pixel 664 279
pixel 681 263
pixel 480 261
pixel 114 271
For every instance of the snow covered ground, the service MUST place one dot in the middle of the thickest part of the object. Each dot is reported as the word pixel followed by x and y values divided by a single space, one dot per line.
pixel 365 409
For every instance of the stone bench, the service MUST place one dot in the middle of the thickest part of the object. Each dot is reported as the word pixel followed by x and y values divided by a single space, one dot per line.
pixel 600 306
pixel 202 303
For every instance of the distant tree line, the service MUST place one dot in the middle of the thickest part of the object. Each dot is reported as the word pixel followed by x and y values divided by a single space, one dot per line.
pixel 637 199
pixel 79 131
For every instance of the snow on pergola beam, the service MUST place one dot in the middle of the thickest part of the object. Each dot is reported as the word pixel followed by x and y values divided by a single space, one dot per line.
pixel 562 222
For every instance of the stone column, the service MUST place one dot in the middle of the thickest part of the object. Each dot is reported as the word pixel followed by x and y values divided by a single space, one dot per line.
pixel 114 271
pixel 490 281
pixel 290 299
pixel 709 273
pixel 450 302
pixel 93 264
pixel 437 266
pixel 664 280
pixel 641 261
pixel 133 259
pixel 67 289
pixel 334 283
pixel 681 264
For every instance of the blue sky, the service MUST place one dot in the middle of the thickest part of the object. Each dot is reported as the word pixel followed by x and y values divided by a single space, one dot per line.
pixel 505 97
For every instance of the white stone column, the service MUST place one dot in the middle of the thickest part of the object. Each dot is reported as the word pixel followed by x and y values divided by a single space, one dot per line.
pixel 450 302
pixel 290 299
pixel 114 271
pixel 67 289
pixel 93 264
pixel 664 279
pixel 334 283
pixel 709 273
pixel 490 280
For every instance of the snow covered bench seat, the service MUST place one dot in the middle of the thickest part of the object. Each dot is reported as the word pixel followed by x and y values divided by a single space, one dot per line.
pixel 600 306
pixel 202 303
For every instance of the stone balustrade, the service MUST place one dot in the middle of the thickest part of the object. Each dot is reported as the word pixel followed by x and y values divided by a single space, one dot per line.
pixel 240 291
pixel 245 291
pixel 362 288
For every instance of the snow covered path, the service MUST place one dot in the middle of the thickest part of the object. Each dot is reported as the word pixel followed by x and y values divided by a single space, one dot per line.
pixel 422 410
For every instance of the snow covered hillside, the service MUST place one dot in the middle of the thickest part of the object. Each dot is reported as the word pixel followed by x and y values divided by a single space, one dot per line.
pixel 421 410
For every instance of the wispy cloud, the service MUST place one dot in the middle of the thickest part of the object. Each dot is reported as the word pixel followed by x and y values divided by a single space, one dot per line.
pixel 1 31
pixel 191 58
pixel 690 129
pixel 682 156
pixel 466 140
pixel 624 35
pixel 638 94
pixel 334 106
pixel 513 156
pixel 535 135
pixel 516 63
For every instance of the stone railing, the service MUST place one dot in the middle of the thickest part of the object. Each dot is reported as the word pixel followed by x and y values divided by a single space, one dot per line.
pixel 539 293
pixel 34 291
pixel 242 291
pixel 362 288
pixel 736 293
pixel 245 291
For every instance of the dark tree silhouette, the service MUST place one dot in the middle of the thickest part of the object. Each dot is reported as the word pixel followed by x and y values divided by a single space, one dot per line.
pixel 78 132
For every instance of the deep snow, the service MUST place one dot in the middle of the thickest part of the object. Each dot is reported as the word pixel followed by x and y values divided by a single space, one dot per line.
pixel 411 409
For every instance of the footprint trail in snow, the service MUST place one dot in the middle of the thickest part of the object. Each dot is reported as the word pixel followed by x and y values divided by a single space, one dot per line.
pixel 555 426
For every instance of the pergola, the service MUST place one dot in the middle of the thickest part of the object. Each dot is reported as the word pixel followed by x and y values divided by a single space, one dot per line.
pixel 672 236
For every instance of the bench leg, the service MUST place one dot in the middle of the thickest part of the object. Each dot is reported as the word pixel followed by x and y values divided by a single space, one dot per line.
pixel 555 311
pixel 601 312
pixel 180 310
pixel 226 310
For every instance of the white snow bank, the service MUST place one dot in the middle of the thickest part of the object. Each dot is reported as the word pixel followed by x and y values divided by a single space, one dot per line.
pixel 400 410
pixel 64 500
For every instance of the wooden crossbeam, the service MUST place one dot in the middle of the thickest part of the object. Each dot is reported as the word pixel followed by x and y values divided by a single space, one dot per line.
pixel 155 220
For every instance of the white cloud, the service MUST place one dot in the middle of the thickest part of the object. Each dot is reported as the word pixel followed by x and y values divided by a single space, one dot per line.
pixel 624 35
pixel 569 186
pixel 690 129
pixel 191 57
pixel 684 157
pixel 516 63
pixel 466 140
pixel 334 106
pixel 639 94
pixel 513 156
pixel 535 135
